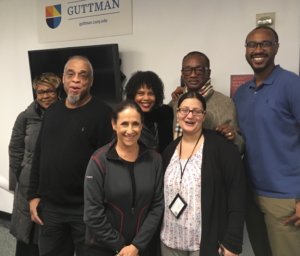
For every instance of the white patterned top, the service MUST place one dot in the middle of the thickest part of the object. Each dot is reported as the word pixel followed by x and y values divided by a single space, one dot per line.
pixel 183 233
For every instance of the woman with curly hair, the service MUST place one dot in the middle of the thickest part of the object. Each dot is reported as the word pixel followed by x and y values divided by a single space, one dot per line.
pixel 147 90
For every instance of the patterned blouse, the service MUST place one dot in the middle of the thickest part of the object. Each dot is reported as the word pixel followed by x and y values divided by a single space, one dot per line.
pixel 183 233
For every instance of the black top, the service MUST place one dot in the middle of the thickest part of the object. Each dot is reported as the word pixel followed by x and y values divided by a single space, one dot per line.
pixel 67 139
pixel 157 132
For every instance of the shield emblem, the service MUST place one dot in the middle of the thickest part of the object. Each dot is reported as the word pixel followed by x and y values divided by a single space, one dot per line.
pixel 53 15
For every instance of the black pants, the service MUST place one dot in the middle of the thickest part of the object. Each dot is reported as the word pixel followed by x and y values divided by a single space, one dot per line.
pixel 23 249
pixel 63 232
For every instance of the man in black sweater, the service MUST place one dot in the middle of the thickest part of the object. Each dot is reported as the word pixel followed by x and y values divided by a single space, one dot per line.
pixel 71 131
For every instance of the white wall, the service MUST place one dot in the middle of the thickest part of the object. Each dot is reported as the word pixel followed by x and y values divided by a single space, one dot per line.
pixel 163 31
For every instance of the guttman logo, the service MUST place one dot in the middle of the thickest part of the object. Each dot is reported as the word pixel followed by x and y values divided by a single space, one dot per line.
pixel 53 15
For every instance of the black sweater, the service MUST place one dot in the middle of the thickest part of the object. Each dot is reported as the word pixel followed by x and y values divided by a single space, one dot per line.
pixel 157 132
pixel 67 139
pixel 222 193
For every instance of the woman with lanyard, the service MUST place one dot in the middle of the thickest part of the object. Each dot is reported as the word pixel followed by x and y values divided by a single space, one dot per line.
pixel 203 187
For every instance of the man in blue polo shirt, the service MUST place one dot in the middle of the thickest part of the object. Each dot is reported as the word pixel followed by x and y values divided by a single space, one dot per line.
pixel 268 109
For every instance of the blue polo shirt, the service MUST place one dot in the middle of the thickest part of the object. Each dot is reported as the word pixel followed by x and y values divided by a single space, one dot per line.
pixel 269 119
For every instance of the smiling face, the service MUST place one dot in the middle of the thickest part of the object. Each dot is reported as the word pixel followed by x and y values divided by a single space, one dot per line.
pixel 191 123
pixel 45 95
pixel 145 98
pixel 195 72
pixel 128 127
pixel 77 80
pixel 261 57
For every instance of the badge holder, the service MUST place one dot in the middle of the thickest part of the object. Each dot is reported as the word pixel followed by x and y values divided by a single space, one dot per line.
pixel 177 206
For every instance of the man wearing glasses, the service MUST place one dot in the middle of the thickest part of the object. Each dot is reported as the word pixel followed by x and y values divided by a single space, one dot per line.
pixel 220 112
pixel 268 109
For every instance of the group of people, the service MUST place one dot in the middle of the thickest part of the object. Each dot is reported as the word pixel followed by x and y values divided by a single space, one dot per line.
pixel 152 179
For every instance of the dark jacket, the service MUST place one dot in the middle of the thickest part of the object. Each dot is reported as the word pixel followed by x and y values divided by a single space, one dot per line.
pixel 123 201
pixel 222 193
pixel 157 132
pixel 21 149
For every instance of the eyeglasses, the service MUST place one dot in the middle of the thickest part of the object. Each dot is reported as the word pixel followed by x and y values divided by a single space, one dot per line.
pixel 263 44
pixel 195 111
pixel 49 91
pixel 198 70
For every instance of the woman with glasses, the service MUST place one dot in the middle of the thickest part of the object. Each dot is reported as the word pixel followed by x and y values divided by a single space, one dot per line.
pixel 147 90
pixel 21 150
pixel 203 188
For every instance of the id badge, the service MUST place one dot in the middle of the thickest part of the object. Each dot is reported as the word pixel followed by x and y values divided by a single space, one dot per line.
pixel 177 206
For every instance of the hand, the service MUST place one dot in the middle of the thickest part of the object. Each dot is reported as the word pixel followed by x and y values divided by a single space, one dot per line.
pixel 227 130
pixel 224 252
pixel 295 218
pixel 33 204
pixel 177 93
pixel 129 250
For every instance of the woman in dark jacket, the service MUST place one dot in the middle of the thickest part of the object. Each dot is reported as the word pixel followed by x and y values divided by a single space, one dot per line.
pixel 147 90
pixel 204 188
pixel 123 198
pixel 21 150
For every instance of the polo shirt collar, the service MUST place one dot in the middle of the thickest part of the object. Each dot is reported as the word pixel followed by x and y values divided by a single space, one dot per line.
pixel 270 79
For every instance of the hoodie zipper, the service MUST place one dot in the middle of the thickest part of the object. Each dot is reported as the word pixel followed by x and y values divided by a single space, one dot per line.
pixel 133 186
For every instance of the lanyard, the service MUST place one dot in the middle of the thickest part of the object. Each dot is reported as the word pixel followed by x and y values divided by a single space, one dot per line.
pixel 180 148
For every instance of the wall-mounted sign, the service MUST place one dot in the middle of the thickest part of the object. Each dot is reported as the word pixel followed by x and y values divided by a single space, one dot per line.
pixel 63 20
pixel 236 81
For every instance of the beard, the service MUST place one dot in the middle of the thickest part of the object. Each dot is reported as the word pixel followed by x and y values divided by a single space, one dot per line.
pixel 260 67
pixel 258 70
pixel 73 99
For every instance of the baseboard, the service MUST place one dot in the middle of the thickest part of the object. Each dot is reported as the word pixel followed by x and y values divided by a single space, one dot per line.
pixel 5 216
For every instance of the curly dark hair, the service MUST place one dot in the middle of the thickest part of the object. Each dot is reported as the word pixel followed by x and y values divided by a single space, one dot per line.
pixel 151 80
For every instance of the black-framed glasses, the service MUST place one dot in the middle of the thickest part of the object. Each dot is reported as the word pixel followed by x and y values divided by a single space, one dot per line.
pixel 198 70
pixel 263 44
pixel 195 111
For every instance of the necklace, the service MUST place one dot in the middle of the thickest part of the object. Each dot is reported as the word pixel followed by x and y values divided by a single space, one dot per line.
pixel 180 148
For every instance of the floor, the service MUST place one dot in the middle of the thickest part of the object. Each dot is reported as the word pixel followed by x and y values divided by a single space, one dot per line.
pixel 8 243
